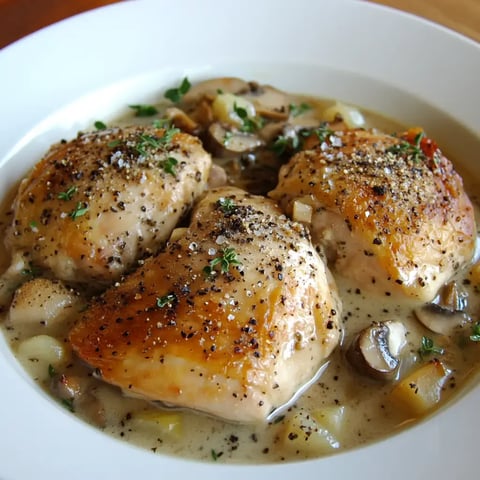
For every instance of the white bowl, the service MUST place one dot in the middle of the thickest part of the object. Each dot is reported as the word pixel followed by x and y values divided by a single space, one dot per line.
pixel 89 67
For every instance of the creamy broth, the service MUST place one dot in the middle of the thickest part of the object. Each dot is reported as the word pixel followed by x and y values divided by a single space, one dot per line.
pixel 357 409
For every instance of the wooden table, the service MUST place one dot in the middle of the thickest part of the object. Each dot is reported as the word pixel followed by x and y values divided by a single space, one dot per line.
pixel 21 17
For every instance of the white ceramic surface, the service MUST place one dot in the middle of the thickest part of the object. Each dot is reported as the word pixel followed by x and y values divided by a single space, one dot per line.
pixel 60 79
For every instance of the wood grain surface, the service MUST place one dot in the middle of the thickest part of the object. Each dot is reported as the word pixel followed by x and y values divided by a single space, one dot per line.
pixel 21 17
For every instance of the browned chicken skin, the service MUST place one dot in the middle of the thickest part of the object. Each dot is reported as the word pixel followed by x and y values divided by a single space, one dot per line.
pixel 390 213
pixel 94 205
pixel 231 319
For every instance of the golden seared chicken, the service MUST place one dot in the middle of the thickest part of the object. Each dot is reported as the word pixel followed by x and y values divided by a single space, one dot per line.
pixel 94 205
pixel 232 319
pixel 391 213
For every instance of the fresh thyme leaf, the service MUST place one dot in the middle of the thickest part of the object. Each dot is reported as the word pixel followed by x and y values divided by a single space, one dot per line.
pixel 249 125
pixel 227 205
pixel 176 94
pixel 475 336
pixel 166 300
pixel 169 164
pixel 161 123
pixel 99 125
pixel 143 110
pixel 216 455
pixel 284 144
pixel 297 110
pixel 67 195
pixel 68 403
pixel 114 143
pixel 323 132
pixel 227 257
pixel 79 210
pixel 51 370
pixel 146 142
pixel 227 137
pixel 429 348
pixel 32 270
pixel 410 150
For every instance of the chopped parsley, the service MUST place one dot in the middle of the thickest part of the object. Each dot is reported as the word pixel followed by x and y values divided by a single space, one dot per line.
pixel 166 300
pixel 475 336
pixel 168 165
pixel 296 110
pixel 99 125
pixel 227 257
pixel 226 205
pixel 429 348
pixel 227 137
pixel 79 210
pixel 413 150
pixel 33 225
pixel 161 123
pixel 143 110
pixel 176 94
pixel 68 194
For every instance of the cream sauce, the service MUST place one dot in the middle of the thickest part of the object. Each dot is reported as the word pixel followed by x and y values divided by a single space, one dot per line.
pixel 367 414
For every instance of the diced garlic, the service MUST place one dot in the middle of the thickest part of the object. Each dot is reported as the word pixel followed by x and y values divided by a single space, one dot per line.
pixel 37 353
pixel 351 116
pixel 302 212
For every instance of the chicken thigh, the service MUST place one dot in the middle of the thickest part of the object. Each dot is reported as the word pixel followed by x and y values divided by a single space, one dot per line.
pixel 94 205
pixel 232 319
pixel 390 213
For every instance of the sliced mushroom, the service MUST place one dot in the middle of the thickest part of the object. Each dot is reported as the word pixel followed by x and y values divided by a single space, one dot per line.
pixel 218 176
pixel 447 312
pixel 181 120
pixel 230 143
pixel 441 320
pixel 374 351
pixel 270 103
pixel 210 88
pixel 452 297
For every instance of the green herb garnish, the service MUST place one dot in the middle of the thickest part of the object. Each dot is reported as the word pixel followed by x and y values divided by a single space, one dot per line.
pixel 283 144
pixel 169 164
pixel 166 300
pixel 68 403
pixel 33 225
pixel 32 270
pixel 429 348
pixel 149 141
pixel 410 150
pixel 227 257
pixel 323 132
pixel 249 125
pixel 215 455
pixel 161 123
pixel 296 110
pixel 114 143
pixel 99 125
pixel 79 210
pixel 227 205
pixel 475 336
pixel 176 94
pixel 227 137
pixel 68 194
pixel 51 370
pixel 142 110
